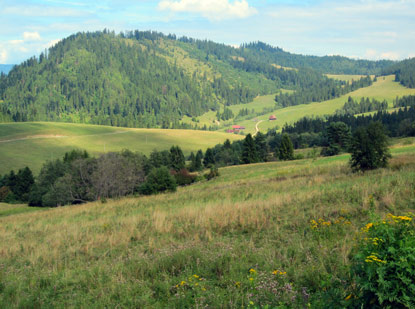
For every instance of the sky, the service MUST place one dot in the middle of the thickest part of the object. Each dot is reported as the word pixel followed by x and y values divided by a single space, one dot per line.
pixel 364 29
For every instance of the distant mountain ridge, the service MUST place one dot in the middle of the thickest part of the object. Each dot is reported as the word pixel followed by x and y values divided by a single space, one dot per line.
pixel 5 68
pixel 148 79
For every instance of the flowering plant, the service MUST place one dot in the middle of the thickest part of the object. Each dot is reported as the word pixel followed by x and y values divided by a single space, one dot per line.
pixel 384 263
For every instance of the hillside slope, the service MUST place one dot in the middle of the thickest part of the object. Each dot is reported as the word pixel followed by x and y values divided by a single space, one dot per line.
pixel 152 251
pixel 31 144
pixel 147 79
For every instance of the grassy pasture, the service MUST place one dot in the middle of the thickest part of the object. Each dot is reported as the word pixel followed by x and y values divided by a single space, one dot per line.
pixel 153 251
pixel 31 144
pixel 385 88
pixel 345 77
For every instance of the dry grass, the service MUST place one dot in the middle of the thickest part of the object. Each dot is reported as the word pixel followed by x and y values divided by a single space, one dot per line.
pixel 251 215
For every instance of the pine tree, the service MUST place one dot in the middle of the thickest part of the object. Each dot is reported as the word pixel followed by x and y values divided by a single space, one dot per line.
pixel 369 148
pixel 286 149
pixel 177 160
pixel 199 158
pixel 249 151
pixel 209 159
pixel 192 159
pixel 261 146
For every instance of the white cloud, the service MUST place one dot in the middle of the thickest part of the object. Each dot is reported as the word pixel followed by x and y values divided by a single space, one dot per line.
pixel 390 55
pixel 375 55
pixel 211 9
pixel 3 56
pixel 53 42
pixel 371 54
pixel 16 42
pixel 31 36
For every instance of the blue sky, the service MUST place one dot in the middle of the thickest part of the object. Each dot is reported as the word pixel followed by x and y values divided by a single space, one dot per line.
pixel 369 29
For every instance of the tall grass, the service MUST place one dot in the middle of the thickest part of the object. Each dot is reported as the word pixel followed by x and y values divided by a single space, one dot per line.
pixel 196 247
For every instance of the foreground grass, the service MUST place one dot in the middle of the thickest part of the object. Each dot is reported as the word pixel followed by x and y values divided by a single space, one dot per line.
pixel 195 247
pixel 31 144
pixel 8 209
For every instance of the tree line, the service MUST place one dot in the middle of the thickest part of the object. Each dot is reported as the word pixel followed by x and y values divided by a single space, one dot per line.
pixel 404 72
pixel 352 107
pixel 321 90
pixel 79 178
pixel 309 132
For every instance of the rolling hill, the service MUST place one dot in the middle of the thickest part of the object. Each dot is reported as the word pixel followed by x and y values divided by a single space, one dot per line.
pixel 147 79
pixel 193 247
pixel 31 144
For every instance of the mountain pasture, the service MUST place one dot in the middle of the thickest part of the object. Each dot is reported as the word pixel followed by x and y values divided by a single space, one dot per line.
pixel 31 144
pixel 385 88
pixel 193 247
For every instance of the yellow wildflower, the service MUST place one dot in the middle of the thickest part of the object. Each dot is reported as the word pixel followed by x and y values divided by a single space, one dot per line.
pixel 373 258
pixel 348 297
pixel 314 224
pixel 196 276
pixel 182 283
pixel 252 271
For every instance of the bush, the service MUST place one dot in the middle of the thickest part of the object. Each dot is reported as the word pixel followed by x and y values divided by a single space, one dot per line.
pixel 384 265
pixel 159 180
pixel 183 177
pixel 214 172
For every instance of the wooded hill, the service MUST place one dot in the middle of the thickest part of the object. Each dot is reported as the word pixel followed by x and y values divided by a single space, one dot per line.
pixel 147 79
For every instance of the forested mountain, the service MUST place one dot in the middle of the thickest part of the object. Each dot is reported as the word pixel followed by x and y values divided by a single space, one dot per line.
pixel 147 79
pixel 326 64
pixel 404 72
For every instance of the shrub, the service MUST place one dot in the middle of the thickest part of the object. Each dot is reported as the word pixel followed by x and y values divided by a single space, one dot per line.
pixel 183 177
pixel 159 180
pixel 384 264
pixel 214 172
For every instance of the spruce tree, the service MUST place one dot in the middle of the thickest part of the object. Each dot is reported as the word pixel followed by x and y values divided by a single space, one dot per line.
pixel 249 151
pixel 261 146
pixel 369 148
pixel 198 161
pixel 192 159
pixel 286 149
pixel 209 159
pixel 177 160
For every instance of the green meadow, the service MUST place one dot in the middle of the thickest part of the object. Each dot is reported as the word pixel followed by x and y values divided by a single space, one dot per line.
pixel 385 88
pixel 345 77
pixel 31 144
pixel 243 239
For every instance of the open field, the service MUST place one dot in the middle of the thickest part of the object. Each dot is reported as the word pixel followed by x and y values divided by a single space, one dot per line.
pixel 8 209
pixel 193 248
pixel 258 105
pixel 384 89
pixel 344 77
pixel 31 144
